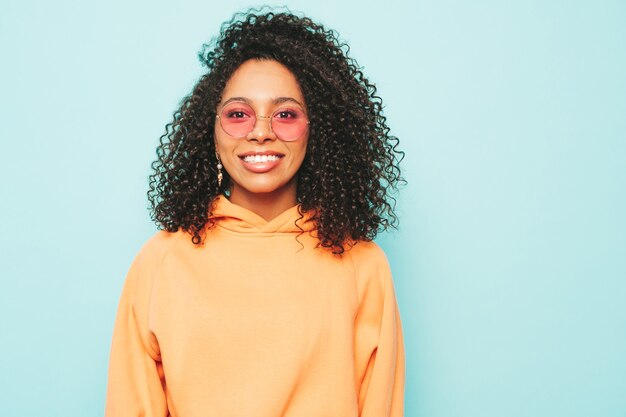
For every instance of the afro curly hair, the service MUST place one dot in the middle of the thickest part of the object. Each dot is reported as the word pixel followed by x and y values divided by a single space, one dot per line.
pixel 351 167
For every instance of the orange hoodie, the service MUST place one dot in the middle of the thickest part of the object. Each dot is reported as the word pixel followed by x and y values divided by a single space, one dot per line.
pixel 256 322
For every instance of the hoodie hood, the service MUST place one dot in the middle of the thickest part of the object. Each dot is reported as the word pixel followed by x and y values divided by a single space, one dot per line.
pixel 236 218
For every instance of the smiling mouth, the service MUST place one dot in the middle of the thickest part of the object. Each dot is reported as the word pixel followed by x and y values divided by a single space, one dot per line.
pixel 259 159
pixel 261 162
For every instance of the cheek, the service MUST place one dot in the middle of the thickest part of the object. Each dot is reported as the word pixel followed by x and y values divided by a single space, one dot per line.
pixel 305 147
pixel 299 152
pixel 217 140
pixel 222 145
pixel 301 146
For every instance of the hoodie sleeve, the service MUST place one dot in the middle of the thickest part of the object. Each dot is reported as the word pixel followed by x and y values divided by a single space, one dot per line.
pixel 379 347
pixel 136 384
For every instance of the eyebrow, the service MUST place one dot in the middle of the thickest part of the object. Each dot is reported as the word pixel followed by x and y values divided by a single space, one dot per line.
pixel 277 100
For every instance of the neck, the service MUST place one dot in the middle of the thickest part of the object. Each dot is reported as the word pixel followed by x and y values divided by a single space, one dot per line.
pixel 267 205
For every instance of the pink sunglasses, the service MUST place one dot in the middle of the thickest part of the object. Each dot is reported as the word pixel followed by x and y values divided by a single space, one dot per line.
pixel 289 123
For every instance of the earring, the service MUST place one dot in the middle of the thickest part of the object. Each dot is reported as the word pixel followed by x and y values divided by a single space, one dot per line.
pixel 220 176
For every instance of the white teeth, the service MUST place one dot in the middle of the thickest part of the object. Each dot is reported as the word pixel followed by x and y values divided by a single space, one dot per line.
pixel 261 158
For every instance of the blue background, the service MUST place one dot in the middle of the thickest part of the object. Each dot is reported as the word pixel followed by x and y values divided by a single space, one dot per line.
pixel 510 263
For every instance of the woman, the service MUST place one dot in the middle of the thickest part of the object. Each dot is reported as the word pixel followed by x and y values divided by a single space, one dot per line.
pixel 264 294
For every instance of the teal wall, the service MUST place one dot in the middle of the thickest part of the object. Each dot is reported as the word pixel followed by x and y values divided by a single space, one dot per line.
pixel 510 263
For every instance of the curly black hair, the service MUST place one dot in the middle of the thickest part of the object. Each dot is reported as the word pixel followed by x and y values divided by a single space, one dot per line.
pixel 351 168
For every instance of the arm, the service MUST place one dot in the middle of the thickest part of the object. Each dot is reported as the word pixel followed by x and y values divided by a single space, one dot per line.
pixel 136 384
pixel 379 347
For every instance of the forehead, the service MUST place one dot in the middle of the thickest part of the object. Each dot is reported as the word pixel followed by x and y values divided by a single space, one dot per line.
pixel 262 81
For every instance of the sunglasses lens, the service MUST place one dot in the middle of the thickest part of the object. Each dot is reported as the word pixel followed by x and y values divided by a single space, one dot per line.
pixel 287 123
pixel 237 119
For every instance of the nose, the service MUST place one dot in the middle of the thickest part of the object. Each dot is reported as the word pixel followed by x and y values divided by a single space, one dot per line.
pixel 262 130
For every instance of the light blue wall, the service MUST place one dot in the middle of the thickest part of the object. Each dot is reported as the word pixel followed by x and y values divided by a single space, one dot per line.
pixel 510 263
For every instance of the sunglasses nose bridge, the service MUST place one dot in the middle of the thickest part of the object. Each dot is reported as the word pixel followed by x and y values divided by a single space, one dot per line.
pixel 262 130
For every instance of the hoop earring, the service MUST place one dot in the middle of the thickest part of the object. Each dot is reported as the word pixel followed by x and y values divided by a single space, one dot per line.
pixel 220 176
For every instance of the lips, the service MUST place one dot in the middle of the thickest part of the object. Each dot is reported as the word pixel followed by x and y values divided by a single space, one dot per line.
pixel 260 162
pixel 260 158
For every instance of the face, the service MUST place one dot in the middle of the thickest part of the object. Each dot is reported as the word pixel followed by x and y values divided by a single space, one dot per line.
pixel 261 132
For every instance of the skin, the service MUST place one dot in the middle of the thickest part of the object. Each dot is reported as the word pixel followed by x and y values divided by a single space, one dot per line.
pixel 261 84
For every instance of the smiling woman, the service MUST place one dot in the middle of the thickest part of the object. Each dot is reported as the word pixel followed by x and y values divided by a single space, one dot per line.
pixel 264 294
pixel 262 155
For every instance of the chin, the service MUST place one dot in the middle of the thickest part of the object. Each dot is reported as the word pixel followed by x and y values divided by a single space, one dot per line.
pixel 262 187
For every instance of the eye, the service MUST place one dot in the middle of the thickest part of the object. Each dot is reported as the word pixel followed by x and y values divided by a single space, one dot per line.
pixel 236 114
pixel 287 115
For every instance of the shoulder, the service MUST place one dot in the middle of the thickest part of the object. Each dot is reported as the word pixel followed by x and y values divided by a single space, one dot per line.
pixel 367 254
pixel 158 245
pixel 371 267
pixel 153 252
pixel 146 264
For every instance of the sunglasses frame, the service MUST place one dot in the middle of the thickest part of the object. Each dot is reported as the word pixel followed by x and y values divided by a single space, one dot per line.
pixel 256 117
